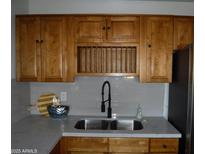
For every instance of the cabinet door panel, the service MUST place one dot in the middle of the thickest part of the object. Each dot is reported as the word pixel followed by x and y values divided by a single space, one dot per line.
pixel 128 145
pixel 123 29
pixel 183 31
pixel 70 56
pixel 163 153
pixel 72 152
pixel 53 38
pixel 128 153
pixel 157 50
pixel 90 29
pixel 164 145
pixel 28 49
pixel 86 144
pixel 56 149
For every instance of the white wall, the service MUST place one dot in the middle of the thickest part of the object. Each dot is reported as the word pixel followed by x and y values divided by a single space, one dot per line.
pixel 20 98
pixel 110 6
pixel 84 95
pixel 20 92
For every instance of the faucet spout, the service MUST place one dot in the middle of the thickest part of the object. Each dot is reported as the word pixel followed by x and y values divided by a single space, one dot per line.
pixel 109 113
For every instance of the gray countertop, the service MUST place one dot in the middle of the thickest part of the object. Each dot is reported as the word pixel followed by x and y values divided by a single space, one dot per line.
pixel 42 134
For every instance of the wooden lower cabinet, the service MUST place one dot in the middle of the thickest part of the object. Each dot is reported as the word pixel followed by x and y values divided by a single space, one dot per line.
pixel 128 145
pixel 138 153
pixel 127 153
pixel 74 152
pixel 56 149
pixel 84 145
pixel 101 145
pixel 164 153
pixel 164 145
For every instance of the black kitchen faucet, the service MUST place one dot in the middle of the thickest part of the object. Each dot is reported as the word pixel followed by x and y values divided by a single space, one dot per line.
pixel 109 112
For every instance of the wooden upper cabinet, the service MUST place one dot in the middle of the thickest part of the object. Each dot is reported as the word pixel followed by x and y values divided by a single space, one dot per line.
pixel 28 60
pixel 53 42
pixel 123 29
pixel 183 31
pixel 156 49
pixel 42 49
pixel 107 29
pixel 90 28
pixel 53 48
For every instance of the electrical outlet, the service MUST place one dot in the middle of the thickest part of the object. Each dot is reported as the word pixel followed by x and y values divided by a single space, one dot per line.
pixel 63 96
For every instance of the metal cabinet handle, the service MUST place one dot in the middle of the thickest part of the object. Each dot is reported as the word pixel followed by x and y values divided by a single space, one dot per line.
pixel 149 45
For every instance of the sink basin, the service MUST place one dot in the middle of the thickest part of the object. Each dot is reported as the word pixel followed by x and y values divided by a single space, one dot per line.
pixel 89 124
pixel 126 125
pixel 108 124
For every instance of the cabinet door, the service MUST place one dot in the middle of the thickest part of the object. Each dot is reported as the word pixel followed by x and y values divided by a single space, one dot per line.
pixel 156 49
pixel 134 145
pixel 93 152
pixel 56 149
pixel 53 42
pixel 183 31
pixel 123 29
pixel 85 144
pixel 164 153
pixel 28 49
pixel 70 57
pixel 129 153
pixel 164 145
pixel 90 28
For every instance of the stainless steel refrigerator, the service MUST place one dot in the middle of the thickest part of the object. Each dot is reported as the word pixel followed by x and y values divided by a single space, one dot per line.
pixel 181 98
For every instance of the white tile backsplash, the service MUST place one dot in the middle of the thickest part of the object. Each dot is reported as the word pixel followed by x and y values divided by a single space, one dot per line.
pixel 84 96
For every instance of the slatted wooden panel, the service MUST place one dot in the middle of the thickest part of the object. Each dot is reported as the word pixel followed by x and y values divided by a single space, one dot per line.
pixel 107 59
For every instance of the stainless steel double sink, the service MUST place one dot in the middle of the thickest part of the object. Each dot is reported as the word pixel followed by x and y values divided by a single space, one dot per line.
pixel 108 124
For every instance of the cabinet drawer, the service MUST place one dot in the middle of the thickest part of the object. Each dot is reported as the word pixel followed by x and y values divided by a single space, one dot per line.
pixel 88 144
pixel 128 153
pixel 128 145
pixel 165 153
pixel 164 145
pixel 72 152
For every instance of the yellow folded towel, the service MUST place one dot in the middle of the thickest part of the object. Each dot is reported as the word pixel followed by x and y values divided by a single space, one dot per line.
pixel 44 101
